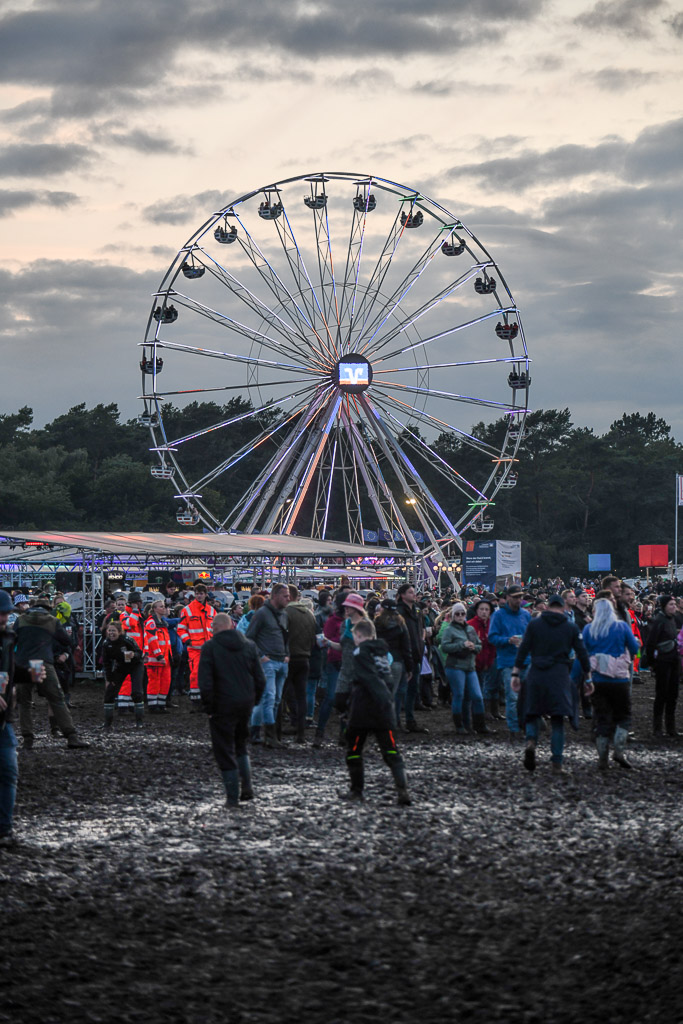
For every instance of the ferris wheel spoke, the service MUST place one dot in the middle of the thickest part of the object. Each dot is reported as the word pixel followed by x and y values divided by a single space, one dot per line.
pixel 303 282
pixel 236 419
pixel 312 452
pixel 276 285
pixel 369 328
pixel 328 285
pixel 212 353
pixel 354 253
pixel 292 350
pixel 451 330
pixel 427 418
pixel 439 464
pixel 323 495
pixel 376 279
pixel 378 490
pixel 439 366
pixel 271 478
pixel 410 320
pixel 228 387
pixel 387 385
pixel 387 443
pixel 289 332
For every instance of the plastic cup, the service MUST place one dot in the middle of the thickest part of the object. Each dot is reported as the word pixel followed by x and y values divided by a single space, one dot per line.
pixel 36 665
pixel 4 682
pixel 127 655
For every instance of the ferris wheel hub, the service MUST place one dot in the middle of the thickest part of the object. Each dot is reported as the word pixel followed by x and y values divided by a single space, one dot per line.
pixel 352 374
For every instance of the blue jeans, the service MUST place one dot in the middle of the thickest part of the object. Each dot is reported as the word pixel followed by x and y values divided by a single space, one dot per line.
pixel 511 698
pixel 328 700
pixel 311 690
pixel 488 680
pixel 9 773
pixel 463 682
pixel 556 735
pixel 265 712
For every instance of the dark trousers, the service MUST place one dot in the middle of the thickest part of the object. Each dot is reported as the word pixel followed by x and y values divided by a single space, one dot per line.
pixel 612 706
pixel 666 689
pixel 137 679
pixel 295 692
pixel 54 695
pixel 355 741
pixel 229 734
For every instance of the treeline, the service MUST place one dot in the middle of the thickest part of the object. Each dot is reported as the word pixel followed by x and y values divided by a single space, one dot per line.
pixel 577 492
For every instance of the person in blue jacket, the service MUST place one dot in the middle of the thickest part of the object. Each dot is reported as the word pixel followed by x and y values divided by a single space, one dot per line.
pixel 611 648
pixel 507 627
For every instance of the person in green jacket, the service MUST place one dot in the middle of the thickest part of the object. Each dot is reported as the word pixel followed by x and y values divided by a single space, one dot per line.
pixel 460 643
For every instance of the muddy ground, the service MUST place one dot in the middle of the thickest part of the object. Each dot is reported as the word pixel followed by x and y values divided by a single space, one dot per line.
pixel 498 896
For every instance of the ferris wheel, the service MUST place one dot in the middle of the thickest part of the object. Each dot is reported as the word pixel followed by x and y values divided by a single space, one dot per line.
pixel 351 320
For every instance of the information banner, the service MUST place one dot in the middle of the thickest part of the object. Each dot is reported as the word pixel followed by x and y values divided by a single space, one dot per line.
pixel 479 563
pixel 508 562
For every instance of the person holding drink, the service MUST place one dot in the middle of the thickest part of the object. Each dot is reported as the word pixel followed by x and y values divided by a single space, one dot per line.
pixel 121 658
pixel 38 632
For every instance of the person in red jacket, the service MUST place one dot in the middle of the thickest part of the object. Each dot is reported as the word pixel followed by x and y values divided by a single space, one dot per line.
pixel 485 663
pixel 194 629
pixel 158 656
pixel 133 626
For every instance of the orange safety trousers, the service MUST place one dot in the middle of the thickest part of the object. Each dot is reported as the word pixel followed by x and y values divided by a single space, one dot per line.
pixel 194 654
pixel 158 684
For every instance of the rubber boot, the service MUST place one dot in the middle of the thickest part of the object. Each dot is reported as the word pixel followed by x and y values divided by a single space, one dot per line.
pixel 495 712
pixel 231 781
pixel 479 723
pixel 619 753
pixel 75 743
pixel 139 714
pixel 271 739
pixel 399 773
pixel 460 729
pixel 602 743
pixel 244 766
pixel 671 726
pixel 255 736
pixel 530 755
pixel 657 725
pixel 108 716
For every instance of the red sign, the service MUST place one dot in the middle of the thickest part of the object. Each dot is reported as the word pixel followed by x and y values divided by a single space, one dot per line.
pixel 653 555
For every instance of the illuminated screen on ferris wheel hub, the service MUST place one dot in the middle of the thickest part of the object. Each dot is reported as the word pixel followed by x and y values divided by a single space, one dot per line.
pixel 352 374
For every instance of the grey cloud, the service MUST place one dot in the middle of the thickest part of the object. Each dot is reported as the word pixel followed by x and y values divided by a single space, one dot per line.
pixel 87 52
pixel 183 208
pixel 251 71
pixel 27 160
pixel 141 141
pixel 675 23
pixel 620 79
pixel 656 154
pixel 628 17
pixel 364 78
pixel 12 200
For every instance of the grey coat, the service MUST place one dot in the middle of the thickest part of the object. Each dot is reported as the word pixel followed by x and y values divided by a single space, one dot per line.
pixel 453 641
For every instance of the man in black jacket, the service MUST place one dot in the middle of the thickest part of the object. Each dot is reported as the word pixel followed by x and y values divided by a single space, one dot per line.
pixel 37 633
pixel 231 682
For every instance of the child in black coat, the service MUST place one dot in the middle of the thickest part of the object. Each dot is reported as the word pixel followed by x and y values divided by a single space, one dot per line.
pixel 371 709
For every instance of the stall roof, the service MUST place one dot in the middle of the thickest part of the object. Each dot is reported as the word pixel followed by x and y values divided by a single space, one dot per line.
pixel 200 545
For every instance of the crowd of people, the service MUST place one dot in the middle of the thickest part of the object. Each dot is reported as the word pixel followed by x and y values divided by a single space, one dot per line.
pixel 528 656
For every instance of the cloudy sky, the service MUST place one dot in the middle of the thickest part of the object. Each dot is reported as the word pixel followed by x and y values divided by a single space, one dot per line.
pixel 553 129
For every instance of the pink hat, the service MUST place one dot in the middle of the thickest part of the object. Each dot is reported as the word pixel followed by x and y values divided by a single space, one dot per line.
pixel 354 601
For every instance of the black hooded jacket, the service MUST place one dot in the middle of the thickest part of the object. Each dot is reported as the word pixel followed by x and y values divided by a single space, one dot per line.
pixel 38 634
pixel 230 674
pixel 371 705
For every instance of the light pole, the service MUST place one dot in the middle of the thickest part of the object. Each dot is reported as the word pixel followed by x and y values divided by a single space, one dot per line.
pixel 440 566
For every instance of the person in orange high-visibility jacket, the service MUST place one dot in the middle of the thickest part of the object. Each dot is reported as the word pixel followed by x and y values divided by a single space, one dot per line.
pixel 194 629
pixel 132 623
pixel 158 655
